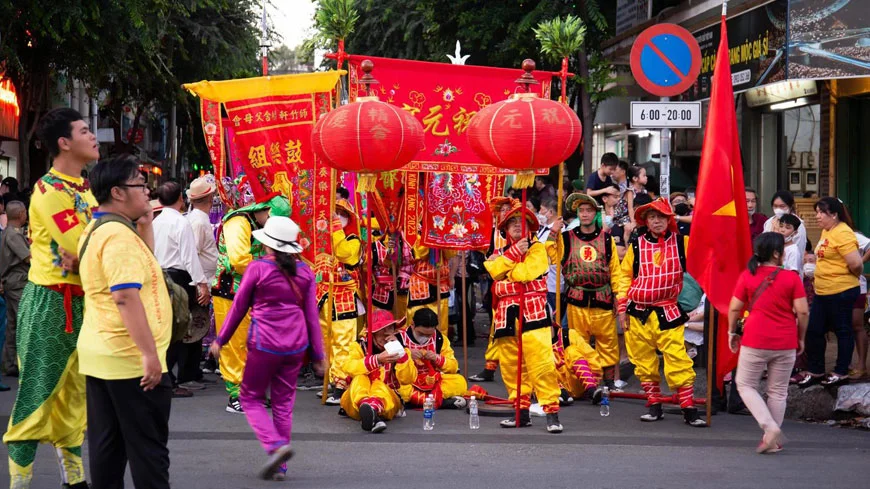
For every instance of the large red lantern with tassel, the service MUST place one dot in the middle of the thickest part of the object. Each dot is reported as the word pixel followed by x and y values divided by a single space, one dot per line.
pixel 525 133
pixel 367 137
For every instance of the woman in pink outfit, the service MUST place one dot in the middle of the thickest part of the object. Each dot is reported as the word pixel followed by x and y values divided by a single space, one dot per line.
pixel 280 292
pixel 773 334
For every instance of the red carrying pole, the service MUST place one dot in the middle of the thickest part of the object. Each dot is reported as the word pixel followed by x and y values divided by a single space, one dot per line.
pixel 369 273
pixel 520 324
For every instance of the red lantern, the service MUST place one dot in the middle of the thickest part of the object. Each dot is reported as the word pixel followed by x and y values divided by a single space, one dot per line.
pixel 525 133
pixel 368 137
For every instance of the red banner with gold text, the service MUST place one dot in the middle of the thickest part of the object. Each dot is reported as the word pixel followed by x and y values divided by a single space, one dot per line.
pixel 444 97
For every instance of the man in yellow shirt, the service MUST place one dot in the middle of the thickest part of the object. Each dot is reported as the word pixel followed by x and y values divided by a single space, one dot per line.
pixel 50 405
pixel 125 333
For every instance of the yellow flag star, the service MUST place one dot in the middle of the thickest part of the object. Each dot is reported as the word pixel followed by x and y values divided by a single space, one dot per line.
pixel 728 210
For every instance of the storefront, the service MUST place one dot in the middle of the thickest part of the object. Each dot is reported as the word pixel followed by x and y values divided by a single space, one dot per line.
pixel 9 115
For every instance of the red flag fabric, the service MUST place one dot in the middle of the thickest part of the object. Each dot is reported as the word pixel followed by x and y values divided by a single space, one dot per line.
pixel 720 244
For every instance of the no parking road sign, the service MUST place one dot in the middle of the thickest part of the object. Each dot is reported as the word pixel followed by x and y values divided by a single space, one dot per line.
pixel 665 60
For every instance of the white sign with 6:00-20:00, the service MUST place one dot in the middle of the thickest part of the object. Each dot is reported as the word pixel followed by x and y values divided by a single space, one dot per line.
pixel 660 115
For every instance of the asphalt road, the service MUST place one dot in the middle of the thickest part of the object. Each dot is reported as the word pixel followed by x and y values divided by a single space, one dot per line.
pixel 213 449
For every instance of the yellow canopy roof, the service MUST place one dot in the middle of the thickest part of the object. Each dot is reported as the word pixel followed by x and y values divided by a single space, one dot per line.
pixel 265 86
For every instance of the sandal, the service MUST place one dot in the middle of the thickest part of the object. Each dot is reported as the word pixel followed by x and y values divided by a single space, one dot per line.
pixel 856 374
pixel 835 380
pixel 809 379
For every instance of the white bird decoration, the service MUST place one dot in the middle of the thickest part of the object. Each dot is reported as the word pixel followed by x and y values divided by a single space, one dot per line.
pixel 458 59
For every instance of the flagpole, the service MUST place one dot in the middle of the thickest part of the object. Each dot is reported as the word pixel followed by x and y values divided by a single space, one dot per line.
pixel 712 323
pixel 264 42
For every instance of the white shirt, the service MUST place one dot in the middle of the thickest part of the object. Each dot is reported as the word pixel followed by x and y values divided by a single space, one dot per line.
pixel 793 259
pixel 863 246
pixel 175 245
pixel 543 234
pixel 206 246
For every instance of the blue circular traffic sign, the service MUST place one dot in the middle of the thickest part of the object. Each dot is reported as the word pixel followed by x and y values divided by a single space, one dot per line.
pixel 665 60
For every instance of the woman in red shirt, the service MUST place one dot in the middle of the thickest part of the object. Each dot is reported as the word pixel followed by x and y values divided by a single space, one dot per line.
pixel 773 334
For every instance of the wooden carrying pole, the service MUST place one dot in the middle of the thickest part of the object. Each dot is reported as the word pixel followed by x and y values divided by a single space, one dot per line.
pixel 329 296
pixel 520 321
pixel 462 273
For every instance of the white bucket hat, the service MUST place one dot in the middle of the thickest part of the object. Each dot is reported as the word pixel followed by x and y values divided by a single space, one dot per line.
pixel 281 234
pixel 200 188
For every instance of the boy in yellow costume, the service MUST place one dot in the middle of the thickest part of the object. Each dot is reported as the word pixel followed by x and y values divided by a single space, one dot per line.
pixel 371 397
pixel 435 362
pixel 50 405
pixel 520 285
pixel 236 250
pixel 652 276
pixel 340 270
pixel 592 271
pixel 577 365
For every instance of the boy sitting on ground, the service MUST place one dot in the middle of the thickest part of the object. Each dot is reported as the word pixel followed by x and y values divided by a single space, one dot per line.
pixel 434 362
pixel 371 396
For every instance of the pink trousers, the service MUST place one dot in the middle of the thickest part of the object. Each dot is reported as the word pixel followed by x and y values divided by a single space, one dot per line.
pixel 276 373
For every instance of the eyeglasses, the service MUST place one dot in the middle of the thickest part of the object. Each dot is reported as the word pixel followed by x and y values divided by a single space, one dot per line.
pixel 134 185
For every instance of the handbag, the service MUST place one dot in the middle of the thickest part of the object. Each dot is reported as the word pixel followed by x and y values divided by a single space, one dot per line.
pixel 760 290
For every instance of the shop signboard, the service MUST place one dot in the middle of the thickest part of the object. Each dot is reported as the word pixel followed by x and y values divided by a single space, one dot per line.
pixel 9 109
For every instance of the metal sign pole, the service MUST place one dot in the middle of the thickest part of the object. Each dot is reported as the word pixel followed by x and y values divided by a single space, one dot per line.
pixel 665 160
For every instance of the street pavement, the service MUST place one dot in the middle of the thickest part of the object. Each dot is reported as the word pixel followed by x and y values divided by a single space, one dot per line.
pixel 210 448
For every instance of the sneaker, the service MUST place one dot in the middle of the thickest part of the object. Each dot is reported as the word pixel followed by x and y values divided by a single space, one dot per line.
pixel 619 385
pixel 309 382
pixel 553 424
pixel 597 396
pixel 692 418
pixel 565 398
pixel 368 416
pixel 234 406
pixel 4 387
pixel 379 427
pixel 281 473
pixel 179 392
pixel 655 413
pixel 455 402
pixel 342 413
pixel 274 462
pixel 192 386
pixel 484 376
pixel 809 379
pixel 525 420
pixel 334 399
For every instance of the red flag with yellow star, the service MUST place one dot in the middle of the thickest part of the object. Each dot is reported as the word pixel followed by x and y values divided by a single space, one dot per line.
pixel 720 245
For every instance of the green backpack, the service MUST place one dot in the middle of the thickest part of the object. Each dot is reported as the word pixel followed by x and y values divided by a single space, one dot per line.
pixel 177 295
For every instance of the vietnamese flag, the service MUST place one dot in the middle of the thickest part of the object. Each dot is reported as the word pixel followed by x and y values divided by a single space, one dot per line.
pixel 720 244
pixel 65 220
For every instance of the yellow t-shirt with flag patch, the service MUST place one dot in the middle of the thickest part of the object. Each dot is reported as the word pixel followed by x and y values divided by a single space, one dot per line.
pixel 60 208
pixel 116 258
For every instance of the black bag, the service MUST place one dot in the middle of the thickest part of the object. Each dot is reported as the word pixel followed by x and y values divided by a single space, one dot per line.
pixel 474 264
pixel 177 295
pixel 760 290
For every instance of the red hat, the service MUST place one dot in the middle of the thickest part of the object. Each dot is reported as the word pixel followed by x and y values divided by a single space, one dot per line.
pixel 382 319
pixel 659 205
pixel 518 210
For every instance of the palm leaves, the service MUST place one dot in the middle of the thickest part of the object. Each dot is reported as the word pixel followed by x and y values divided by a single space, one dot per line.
pixel 560 37
pixel 336 19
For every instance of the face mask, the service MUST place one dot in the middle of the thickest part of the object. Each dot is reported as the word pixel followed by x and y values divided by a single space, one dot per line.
pixel 751 212
pixel 789 238
pixel 344 220
pixel 608 221
pixel 779 212
pixel 809 269
pixel 542 219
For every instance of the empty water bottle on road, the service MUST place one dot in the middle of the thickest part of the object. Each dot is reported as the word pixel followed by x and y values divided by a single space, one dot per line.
pixel 604 410
pixel 473 417
pixel 429 413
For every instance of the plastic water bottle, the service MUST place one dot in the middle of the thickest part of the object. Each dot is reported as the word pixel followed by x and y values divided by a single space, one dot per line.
pixel 429 413
pixel 473 417
pixel 604 410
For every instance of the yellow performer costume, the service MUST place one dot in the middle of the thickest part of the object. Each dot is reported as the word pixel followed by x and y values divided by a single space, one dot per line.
pixel 653 269
pixel 592 271
pixel 424 285
pixel 50 404
pixel 437 375
pixel 340 272
pixel 576 363
pixel 371 397
pixel 236 250
pixel 520 285
pixel 499 206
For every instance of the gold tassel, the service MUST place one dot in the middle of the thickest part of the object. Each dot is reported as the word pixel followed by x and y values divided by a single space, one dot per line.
pixel 367 182
pixel 524 179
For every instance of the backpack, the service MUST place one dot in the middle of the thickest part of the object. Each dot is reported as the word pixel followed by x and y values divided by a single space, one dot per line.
pixel 177 294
